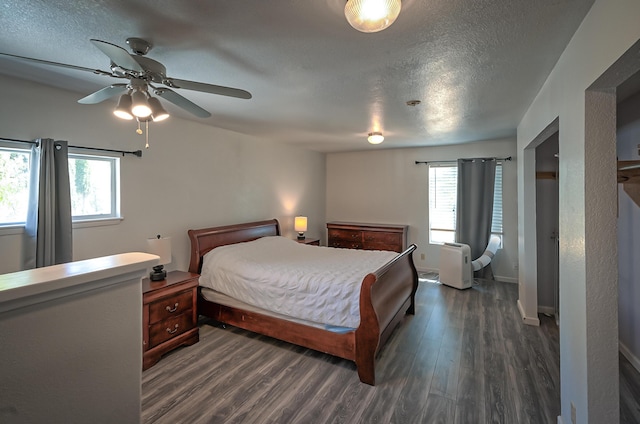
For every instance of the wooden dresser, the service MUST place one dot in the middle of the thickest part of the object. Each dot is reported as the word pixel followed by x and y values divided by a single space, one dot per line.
pixel 169 315
pixel 359 235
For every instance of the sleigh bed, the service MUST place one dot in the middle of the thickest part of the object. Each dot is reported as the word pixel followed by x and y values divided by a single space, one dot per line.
pixel 386 295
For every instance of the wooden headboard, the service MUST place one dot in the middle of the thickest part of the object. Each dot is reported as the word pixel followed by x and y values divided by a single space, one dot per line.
pixel 205 239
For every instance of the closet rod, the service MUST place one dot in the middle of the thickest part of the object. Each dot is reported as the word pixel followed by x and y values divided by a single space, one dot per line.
pixel 418 162
pixel 137 153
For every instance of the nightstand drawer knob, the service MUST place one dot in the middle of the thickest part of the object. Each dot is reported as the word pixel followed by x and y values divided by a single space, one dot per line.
pixel 170 331
pixel 170 309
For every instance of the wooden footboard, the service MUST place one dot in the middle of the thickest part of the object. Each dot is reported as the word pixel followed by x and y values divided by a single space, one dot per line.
pixel 386 295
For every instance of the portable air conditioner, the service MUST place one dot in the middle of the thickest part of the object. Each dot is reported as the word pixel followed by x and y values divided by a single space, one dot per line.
pixel 455 265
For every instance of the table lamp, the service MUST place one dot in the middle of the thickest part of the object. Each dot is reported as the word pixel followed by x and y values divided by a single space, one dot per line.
pixel 300 225
pixel 160 246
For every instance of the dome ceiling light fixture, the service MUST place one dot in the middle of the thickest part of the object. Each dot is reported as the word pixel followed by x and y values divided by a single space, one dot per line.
pixel 375 137
pixel 372 15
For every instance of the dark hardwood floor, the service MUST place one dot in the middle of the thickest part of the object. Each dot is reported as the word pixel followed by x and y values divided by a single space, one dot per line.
pixel 465 357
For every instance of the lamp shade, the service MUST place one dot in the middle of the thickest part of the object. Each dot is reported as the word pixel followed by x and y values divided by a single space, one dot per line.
pixel 372 15
pixel 160 246
pixel 157 111
pixel 140 108
pixel 300 224
pixel 123 110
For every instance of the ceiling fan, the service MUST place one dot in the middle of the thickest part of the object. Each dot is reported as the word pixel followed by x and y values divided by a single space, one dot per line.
pixel 145 76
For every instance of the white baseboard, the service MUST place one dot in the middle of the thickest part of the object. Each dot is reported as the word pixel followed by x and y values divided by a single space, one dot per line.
pixel 427 270
pixel 535 321
pixel 635 361
pixel 560 419
pixel 506 279
pixel 548 310
pixel 496 277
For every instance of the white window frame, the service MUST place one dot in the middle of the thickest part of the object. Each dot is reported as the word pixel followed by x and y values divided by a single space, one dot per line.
pixel 497 199
pixel 114 161
pixel 77 221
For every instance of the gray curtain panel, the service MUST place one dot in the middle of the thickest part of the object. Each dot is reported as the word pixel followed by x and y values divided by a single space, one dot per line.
pixel 48 228
pixel 476 180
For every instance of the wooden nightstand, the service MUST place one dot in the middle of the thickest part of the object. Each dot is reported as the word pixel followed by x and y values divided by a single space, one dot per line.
pixel 314 242
pixel 169 315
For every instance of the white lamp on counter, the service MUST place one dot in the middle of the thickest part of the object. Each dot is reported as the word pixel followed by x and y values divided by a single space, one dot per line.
pixel 160 246
pixel 300 225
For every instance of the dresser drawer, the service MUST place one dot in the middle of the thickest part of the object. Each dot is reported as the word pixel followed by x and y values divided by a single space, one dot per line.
pixel 382 241
pixel 345 244
pixel 172 327
pixel 353 235
pixel 170 306
pixel 345 235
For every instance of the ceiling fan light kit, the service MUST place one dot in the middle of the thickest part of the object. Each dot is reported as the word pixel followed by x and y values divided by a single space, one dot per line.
pixel 139 107
pixel 372 15
pixel 123 109
pixel 157 111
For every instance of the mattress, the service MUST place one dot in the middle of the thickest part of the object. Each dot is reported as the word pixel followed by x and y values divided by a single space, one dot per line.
pixel 277 274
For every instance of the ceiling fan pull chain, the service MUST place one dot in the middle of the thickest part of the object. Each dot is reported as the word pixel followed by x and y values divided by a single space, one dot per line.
pixel 139 130
pixel 146 146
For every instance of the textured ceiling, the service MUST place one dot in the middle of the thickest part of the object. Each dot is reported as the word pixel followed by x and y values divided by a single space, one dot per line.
pixel 475 64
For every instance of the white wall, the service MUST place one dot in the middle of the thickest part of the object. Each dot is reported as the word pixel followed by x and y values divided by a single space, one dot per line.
pixel 386 186
pixel 588 292
pixel 629 236
pixel 192 176
pixel 71 349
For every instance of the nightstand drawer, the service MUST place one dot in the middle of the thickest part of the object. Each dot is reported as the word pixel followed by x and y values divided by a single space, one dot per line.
pixel 172 327
pixel 170 306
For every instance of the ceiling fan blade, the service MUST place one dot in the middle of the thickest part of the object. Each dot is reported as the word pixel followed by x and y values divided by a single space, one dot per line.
pixel 103 94
pixel 207 88
pixel 182 102
pixel 60 65
pixel 118 55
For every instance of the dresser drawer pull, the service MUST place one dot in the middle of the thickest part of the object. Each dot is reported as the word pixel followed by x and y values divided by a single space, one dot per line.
pixel 170 309
pixel 170 331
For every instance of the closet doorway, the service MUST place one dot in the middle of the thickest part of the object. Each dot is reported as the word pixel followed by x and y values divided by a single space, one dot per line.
pixel 547 235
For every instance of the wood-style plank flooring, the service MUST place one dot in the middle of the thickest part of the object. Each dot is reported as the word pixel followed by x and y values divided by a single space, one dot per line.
pixel 465 357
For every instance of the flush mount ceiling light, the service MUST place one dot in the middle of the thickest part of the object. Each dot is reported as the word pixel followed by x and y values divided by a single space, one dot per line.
pixel 371 15
pixel 375 138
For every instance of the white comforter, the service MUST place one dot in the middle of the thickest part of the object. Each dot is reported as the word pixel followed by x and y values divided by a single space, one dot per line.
pixel 319 284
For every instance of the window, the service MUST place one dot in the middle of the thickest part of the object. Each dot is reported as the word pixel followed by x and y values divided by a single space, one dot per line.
pixel 443 199
pixel 93 180
pixel 14 185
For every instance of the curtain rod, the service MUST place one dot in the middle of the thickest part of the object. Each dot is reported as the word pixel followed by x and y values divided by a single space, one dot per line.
pixel 137 153
pixel 452 161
